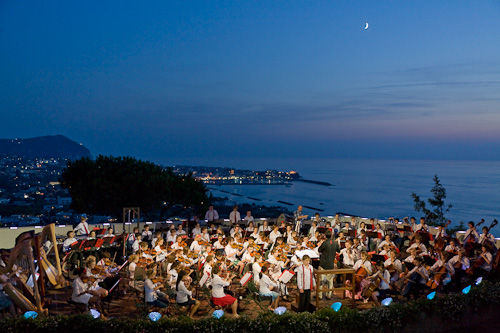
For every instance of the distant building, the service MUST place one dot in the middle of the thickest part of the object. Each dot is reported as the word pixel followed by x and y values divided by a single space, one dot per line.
pixel 65 201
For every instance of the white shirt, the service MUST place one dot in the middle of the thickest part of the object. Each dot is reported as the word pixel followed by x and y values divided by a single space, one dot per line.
pixel 217 245
pixel 439 263
pixel 247 257
pixel 248 219
pixel 147 234
pixel 464 261
pixel 348 259
pixel 273 235
pixel 67 243
pixel 265 284
pixel 397 264
pixel 471 233
pixel 230 252
pixel 305 277
pixel 149 291
pixel 183 294
pixel 78 288
pixel 131 270
pixel 418 247
pixel 256 270
pixel 207 270
pixel 234 216
pixel 488 237
pixel 196 231
pixel 82 228
pixel 384 285
pixel 487 267
pixel 171 238
pixel 382 243
pixel 211 215
pixel 366 264
pixel 196 247
pixel 131 238
pixel 218 286
pixel 262 228
pixel 135 246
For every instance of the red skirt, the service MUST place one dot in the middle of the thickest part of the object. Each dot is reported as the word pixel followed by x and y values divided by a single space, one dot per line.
pixel 223 301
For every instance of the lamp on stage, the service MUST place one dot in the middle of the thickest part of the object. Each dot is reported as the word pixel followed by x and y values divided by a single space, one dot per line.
pixel 387 301
pixel 154 316
pixel 94 313
pixel 466 289
pixel 30 315
pixel 431 295
pixel 280 310
pixel 336 306
pixel 218 314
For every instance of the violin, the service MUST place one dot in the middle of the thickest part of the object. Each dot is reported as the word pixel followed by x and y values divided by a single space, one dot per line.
pixel 183 244
pixel 311 245
pixel 192 255
pixel 237 246
pixel 88 279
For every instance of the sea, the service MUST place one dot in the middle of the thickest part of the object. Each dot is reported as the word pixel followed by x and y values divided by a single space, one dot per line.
pixel 372 188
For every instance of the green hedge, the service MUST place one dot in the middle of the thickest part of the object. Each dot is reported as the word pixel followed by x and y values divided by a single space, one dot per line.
pixel 396 317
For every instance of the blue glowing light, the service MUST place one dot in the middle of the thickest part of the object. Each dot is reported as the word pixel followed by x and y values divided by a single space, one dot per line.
pixel 96 314
pixel 431 295
pixel 30 315
pixel 218 314
pixel 280 310
pixel 154 316
pixel 336 306
pixel 466 289
pixel 387 301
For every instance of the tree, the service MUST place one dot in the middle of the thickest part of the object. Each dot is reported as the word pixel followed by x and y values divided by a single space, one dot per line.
pixel 107 184
pixel 435 216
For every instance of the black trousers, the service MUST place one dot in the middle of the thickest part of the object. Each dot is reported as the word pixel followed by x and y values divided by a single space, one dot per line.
pixel 304 300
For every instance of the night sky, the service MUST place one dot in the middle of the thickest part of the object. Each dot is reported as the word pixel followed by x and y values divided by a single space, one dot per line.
pixel 168 80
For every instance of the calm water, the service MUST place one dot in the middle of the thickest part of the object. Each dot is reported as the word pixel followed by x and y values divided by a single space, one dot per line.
pixel 376 188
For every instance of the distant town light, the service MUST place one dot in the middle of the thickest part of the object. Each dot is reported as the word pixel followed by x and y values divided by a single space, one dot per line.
pixel 13 228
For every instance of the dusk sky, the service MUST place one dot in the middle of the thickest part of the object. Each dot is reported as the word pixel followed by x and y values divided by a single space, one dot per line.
pixel 168 80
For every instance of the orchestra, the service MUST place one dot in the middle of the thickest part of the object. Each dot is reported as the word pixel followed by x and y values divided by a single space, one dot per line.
pixel 178 266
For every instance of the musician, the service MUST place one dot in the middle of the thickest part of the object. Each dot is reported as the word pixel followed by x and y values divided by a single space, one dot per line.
pixel 184 295
pixel 362 226
pixel 367 265
pixel 291 238
pixel 234 216
pixel 358 246
pixel 471 234
pixel 386 250
pixel 250 228
pixel 219 244
pixel 90 264
pixel 419 246
pixel 441 232
pixel 131 237
pixel 133 260
pixel 379 230
pixel 443 261
pixel 219 298
pixel 109 232
pixel 395 264
pixel 147 235
pixel 153 295
pixel 328 250
pixel 255 234
pixel 231 252
pixel 83 227
pixel 363 239
pixel 384 289
pixel 452 247
pixel 180 231
pixel 256 268
pixel 274 234
pixel 211 214
pixel 312 230
pixel 413 255
pixel 486 267
pixel 417 279
pixel 195 245
pixel 92 235
pixel 347 227
pixel 264 227
pixel 247 258
pixel 486 237
pixel 263 240
pixel 387 241
pixel 248 218
pixel 348 255
pixel 336 223
pixel 136 245
pixel 68 241
pixel 82 293
pixel 235 230
pixel 106 256
pixel 207 270
pixel 196 230
pixel 178 244
pixel 171 236
pixel 298 216
pixel 265 286
pixel 422 226
pixel 460 263
pixel 305 283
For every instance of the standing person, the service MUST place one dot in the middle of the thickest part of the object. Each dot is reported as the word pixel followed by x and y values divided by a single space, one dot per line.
pixel 83 227
pixel 298 216
pixel 305 283
pixel 327 250
pixel 234 216
pixel 211 214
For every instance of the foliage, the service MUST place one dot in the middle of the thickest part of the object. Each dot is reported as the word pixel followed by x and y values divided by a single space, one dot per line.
pixel 107 184
pixel 435 215
pixel 447 310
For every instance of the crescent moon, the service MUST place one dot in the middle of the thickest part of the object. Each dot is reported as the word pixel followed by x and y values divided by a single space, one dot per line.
pixel 366 26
